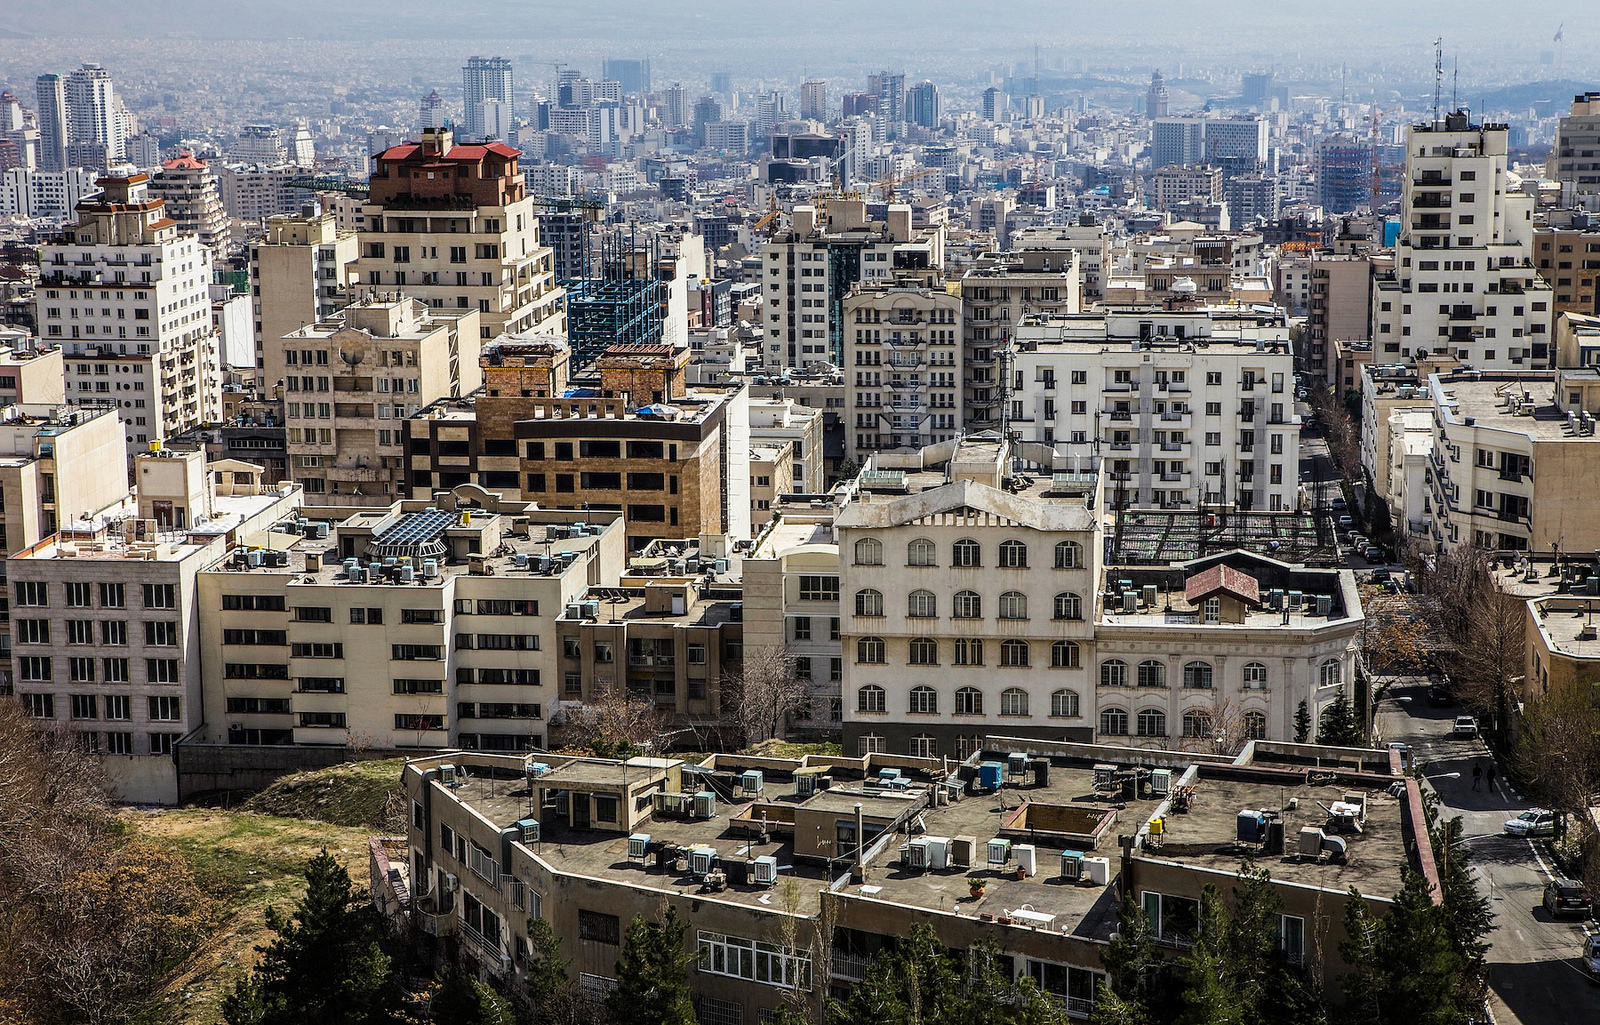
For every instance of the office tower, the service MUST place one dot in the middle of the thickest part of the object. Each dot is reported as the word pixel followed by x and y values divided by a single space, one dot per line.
pixel 302 150
pixel 52 95
pixel 149 329
pixel 467 239
pixel 1177 140
pixel 1463 282
pixel 300 274
pixel 632 75
pixel 1257 88
pixel 483 78
pixel 430 111
pixel 1237 145
pixel 194 199
pixel 770 109
pixel 722 82
pixel 922 105
pixel 814 100
pixel 675 113
pixel 891 92
pixel 1344 173
pixel 1156 99
pixel 706 111
pixel 1571 161
pixel 258 144
pixel 995 103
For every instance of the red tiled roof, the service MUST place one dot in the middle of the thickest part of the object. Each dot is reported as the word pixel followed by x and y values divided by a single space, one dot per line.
pixel 183 160
pixel 1222 578
pixel 408 150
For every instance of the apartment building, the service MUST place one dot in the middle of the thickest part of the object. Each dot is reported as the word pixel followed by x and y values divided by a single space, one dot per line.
pixel 1337 305
pixel 1567 254
pixel 995 296
pixel 127 297
pixel 673 459
pixel 1388 390
pixel 1184 407
pixel 902 366
pixel 1464 281
pixel 1176 184
pixel 193 196
pixel 29 372
pixel 454 226
pixel 809 269
pixel 877 844
pixel 57 464
pixel 350 382
pixel 785 421
pixel 1572 160
pixel 299 275
pixel 425 624
pixel 257 192
pixel 85 598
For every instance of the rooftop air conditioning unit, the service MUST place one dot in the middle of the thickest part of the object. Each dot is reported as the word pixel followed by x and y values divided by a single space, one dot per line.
pixel 530 830
pixel 751 782
pixel 1161 782
pixel 705 805
pixel 938 851
pixel 638 845
pixel 765 870
pixel 447 775
pixel 701 859
pixel 1071 866
pixel 999 851
pixel 915 854
pixel 805 785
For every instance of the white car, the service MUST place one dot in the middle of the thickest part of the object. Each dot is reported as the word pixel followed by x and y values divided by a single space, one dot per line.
pixel 1531 823
pixel 1465 726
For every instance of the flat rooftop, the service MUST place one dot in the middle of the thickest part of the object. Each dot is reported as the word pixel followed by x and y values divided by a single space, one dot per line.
pixel 1484 397
pixel 1567 624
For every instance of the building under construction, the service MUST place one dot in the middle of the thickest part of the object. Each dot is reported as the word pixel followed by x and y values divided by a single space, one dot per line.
pixel 620 307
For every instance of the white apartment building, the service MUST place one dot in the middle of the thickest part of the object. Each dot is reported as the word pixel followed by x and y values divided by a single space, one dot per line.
pixel 1464 281
pixel 255 193
pixel 299 274
pixel 1184 407
pixel 45 194
pixel 809 269
pixel 127 296
pixel 1573 159
pixel 194 199
pixel 902 367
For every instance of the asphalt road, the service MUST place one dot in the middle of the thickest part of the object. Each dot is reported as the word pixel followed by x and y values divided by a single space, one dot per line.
pixel 1534 976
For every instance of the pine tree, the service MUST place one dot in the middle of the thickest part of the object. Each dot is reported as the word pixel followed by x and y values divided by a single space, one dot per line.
pixel 1339 727
pixel 1211 995
pixel 325 966
pixel 653 974
pixel 1111 1009
pixel 1137 971
pixel 1466 909
pixel 1406 966
pixel 550 988
pixel 1302 723
pixel 464 1000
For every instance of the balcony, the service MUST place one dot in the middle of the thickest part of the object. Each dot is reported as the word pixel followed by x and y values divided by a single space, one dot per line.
pixel 851 967
pixel 1121 415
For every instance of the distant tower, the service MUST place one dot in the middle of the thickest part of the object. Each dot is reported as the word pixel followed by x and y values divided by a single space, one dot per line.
pixel 430 111
pixel 484 78
pixel 814 100
pixel 1156 100
pixel 52 123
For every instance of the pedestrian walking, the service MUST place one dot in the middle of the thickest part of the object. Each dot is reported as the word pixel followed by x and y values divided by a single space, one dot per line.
pixel 1490 777
pixel 1477 775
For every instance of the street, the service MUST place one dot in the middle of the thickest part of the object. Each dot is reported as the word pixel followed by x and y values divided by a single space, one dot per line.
pixel 1534 976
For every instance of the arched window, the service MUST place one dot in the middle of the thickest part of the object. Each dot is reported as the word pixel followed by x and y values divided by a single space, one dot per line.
pixel 1013 605
pixel 923 701
pixel 869 651
pixel 1113 673
pixel 1069 555
pixel 966 553
pixel 1197 675
pixel 869 602
pixel 967 605
pixel 1255 676
pixel 1152 722
pixel 969 651
pixel 1330 673
pixel 869 552
pixel 1254 725
pixel 1114 722
pixel 1013 555
pixel 1064 704
pixel 871 698
pixel 869 744
pixel 1152 673
pixel 922 552
pixel 1068 606
pixel 922 605
pixel 1064 655
pixel 924 746
pixel 1197 723
pixel 1013 701
pixel 923 651
pixel 969 701
pixel 1014 653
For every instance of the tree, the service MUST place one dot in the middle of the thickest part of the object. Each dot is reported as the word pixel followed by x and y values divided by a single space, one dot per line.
pixel 1111 1009
pixel 1302 723
pixel 1211 995
pixel 464 1000
pixel 764 691
pixel 1135 968
pixel 551 990
pixel 325 966
pixel 653 974
pixel 614 724
pixel 1558 752
pixel 1406 967
pixel 919 982
pixel 1466 909
pixel 1338 726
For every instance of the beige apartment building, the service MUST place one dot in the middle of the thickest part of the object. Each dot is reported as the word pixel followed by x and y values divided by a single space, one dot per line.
pixel 801 428
pixel 995 296
pixel 59 465
pixel 454 226
pixel 299 275
pixel 903 373
pixel 31 374
pixel 350 382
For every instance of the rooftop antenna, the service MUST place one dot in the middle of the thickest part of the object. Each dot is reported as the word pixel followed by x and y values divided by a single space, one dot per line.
pixel 1455 82
pixel 1438 76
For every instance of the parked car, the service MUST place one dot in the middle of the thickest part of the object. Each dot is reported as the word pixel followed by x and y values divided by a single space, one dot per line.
pixel 1591 955
pixel 1345 522
pixel 1373 553
pixel 1466 726
pixel 1339 504
pixel 1380 576
pixel 1566 897
pixel 1531 823
pixel 1439 696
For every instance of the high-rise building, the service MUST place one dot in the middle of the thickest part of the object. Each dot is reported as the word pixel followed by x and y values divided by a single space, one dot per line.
pixel 1177 140
pixel 1238 145
pixel 890 88
pixel 1175 184
pixel 675 106
pixel 994 105
pixel 194 199
pixel 1156 100
pixel 300 274
pixel 632 75
pixel 92 115
pixel 140 335
pixel 430 112
pixel 1344 173
pixel 814 100
pixel 722 82
pixel 256 192
pixel 1571 159
pixel 922 105
pixel 1257 87
pixel 302 149
pixel 258 144
pixel 52 93
pixel 483 78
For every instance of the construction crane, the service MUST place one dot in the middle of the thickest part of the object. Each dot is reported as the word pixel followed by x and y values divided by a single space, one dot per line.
pixel 1376 185
pixel 773 210
pixel 888 184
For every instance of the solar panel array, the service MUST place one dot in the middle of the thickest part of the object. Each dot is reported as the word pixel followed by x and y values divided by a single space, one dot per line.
pixel 417 533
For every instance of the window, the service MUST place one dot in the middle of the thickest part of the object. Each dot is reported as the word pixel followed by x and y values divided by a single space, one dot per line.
pixel 160 596
pixel 819 588
pixel 1197 724
pixel 1064 704
pixel 319 649
pixel 1152 722
pixel 1255 676
pixel 115 669
pixel 1013 555
pixel 967 605
pixel 113 596
pixel 924 745
pixel 33 594
pixel 161 670
pixel 164 709
pixel 969 701
pixel 923 701
pixel 922 552
pixel 922 605
pixel 313 614
pixel 1114 673
pixel 84 706
pixel 80 670
pixel 1068 606
pixel 969 651
pixel 869 602
pixel 1152 673
pixel 1197 676
pixel 1329 673
pixel 750 959
pixel 869 651
pixel 1014 654
pixel 1172 919
pixel 1211 610
pixel 119 707
pixel 871 699
pixel 1114 722
pixel 33 631
pixel 1013 605
pixel 161 634
pixel 966 553
pixel 1065 655
pixel 1069 555
pixel 869 552
pixel 866 744
pixel 923 651
pixel 1292 938
pixel 598 928
pixel 120 743
pixel 1254 724
pixel 78 595
pixel 1013 701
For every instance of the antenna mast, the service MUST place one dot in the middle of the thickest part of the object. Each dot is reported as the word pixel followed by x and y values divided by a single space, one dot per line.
pixel 1438 75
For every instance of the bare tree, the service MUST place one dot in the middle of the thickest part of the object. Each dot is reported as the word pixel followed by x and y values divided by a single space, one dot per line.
pixel 763 692
pixel 1558 753
pixel 614 723
pixel 1221 727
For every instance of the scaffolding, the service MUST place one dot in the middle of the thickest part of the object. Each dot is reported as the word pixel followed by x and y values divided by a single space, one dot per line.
pixel 1159 537
pixel 621 307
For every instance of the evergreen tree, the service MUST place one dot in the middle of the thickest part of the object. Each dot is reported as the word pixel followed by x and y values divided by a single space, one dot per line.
pixel 325 966
pixel 464 1000
pixel 1465 908
pixel 1137 971
pixel 550 989
pixel 1339 727
pixel 1111 1009
pixel 1211 995
pixel 919 982
pixel 1406 966
pixel 1302 723
pixel 653 974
